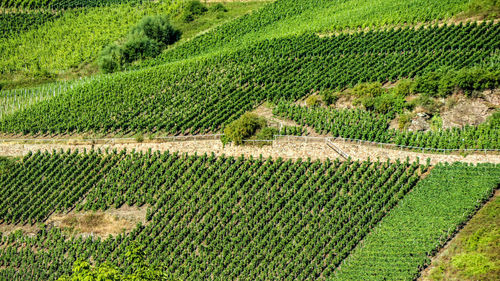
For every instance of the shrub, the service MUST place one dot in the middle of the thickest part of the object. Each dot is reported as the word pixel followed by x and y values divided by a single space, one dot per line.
pixel 138 46
pixel 404 120
pixel 266 133
pixel 157 28
pixel 219 8
pixel 330 98
pixel 403 88
pixel 192 9
pixel 110 58
pixel 427 83
pixel 313 101
pixel 145 40
pixel 243 128
pixel 195 7
pixel 368 90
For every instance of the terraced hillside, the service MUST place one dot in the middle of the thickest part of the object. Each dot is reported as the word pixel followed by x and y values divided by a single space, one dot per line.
pixel 362 79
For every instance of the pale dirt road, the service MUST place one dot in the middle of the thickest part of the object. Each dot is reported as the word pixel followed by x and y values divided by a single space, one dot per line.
pixel 286 149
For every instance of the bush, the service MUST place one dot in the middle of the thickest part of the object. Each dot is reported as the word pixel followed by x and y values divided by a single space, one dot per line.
pixel 330 98
pixel 145 40
pixel 138 47
pixel 110 58
pixel 368 90
pixel 427 83
pixel 266 133
pixel 403 88
pixel 243 128
pixel 195 7
pixel 313 101
pixel 192 9
pixel 219 8
pixel 157 28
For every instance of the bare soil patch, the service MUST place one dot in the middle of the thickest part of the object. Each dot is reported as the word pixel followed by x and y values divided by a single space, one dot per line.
pixel 88 223
pixel 99 223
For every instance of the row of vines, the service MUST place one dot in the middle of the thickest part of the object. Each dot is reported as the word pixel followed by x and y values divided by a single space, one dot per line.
pixel 428 217
pixel 208 217
pixel 202 96
pixel 358 124
pixel 60 4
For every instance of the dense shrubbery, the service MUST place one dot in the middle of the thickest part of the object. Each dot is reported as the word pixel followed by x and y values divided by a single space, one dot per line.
pixel 243 128
pixel 145 40
pixel 193 9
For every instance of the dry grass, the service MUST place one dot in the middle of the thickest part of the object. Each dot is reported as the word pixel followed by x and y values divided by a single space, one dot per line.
pixel 100 223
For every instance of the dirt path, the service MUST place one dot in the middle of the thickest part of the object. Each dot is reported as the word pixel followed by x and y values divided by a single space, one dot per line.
pixel 284 148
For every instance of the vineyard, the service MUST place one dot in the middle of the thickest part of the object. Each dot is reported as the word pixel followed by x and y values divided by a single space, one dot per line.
pixel 198 110
pixel 203 95
pixel 362 125
pixel 254 217
pixel 447 198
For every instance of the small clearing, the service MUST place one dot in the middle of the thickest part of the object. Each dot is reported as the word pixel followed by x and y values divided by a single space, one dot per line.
pixel 89 223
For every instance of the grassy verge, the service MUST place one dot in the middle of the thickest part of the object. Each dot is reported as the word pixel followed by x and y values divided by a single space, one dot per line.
pixel 400 246
pixel 474 254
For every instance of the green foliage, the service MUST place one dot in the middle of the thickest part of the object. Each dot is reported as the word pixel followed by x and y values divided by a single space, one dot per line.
pixel 404 120
pixel 200 96
pixel 329 97
pixel 368 90
pixel 436 123
pixel 446 198
pixel 485 9
pixel 145 40
pixel 61 4
pixel 157 28
pixel 137 47
pixel 473 264
pixel 111 58
pixel 11 24
pixel 446 81
pixel 141 270
pixel 403 88
pixel 200 210
pixel 294 17
pixel 313 101
pixel 218 8
pixel 266 133
pixel 193 9
pixel 293 131
pixel 6 165
pixel 364 125
pixel 243 128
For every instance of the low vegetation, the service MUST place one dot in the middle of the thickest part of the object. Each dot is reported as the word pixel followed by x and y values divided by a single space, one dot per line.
pixel 474 254
pixel 431 214
pixel 145 40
